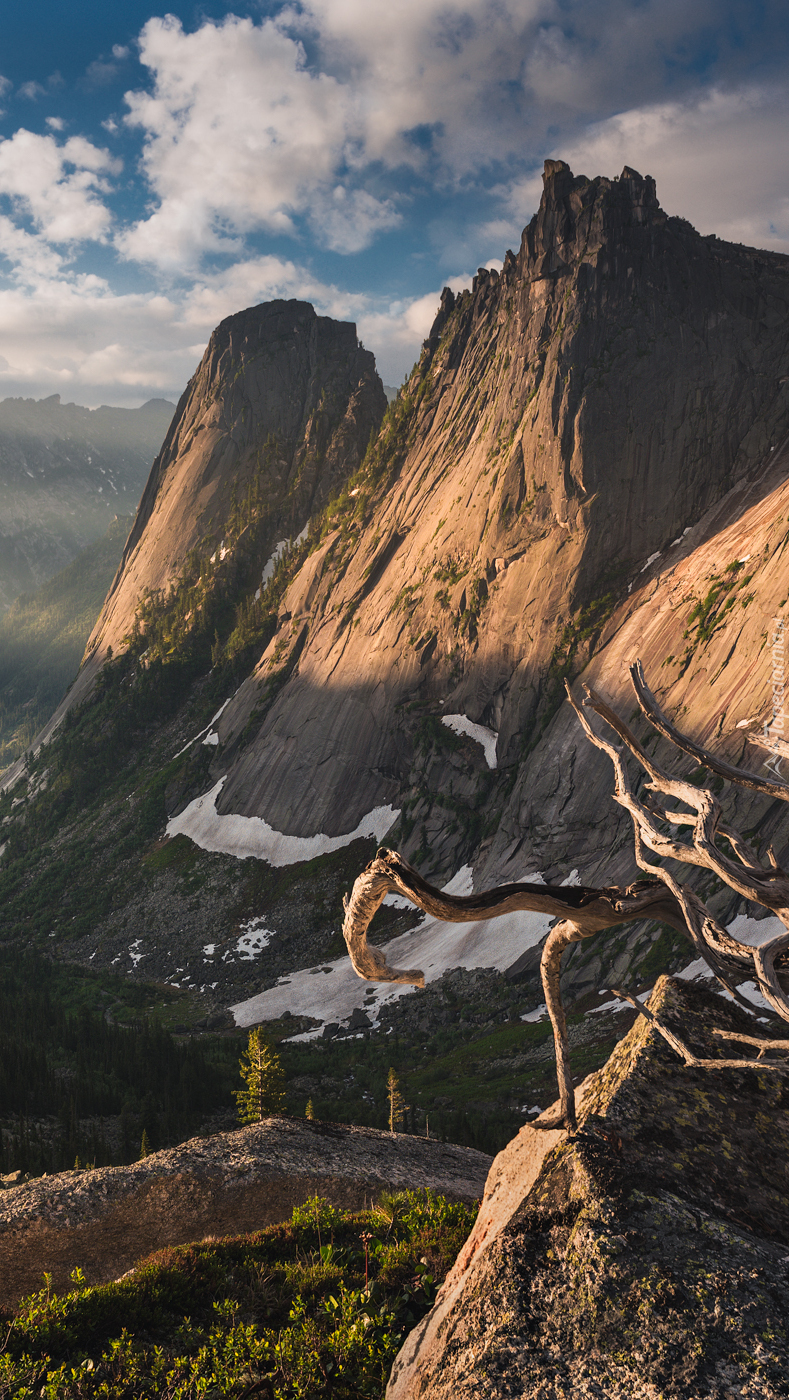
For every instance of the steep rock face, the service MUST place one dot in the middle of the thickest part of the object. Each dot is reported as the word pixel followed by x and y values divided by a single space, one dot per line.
pixel 569 418
pixel 280 410
pixel 283 400
pixel 701 619
pixel 644 1255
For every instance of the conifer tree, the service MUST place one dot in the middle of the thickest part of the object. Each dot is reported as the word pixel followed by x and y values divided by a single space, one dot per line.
pixel 264 1080
pixel 309 1111
pixel 397 1104
pixel 145 1146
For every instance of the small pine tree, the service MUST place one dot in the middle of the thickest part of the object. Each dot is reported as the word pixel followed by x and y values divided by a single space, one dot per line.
pixel 264 1080
pixel 397 1104
pixel 145 1146
pixel 309 1111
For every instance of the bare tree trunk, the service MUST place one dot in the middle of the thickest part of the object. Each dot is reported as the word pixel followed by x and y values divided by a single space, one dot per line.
pixel 559 938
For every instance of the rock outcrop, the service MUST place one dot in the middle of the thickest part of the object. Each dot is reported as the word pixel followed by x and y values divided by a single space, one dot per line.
pixel 104 1220
pixel 644 1256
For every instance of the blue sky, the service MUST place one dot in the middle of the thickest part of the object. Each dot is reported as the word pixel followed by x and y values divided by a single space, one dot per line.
pixel 163 167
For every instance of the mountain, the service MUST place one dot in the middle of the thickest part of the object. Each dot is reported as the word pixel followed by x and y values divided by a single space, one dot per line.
pixel 65 471
pixel 337 622
pixel 569 419
pixel 43 636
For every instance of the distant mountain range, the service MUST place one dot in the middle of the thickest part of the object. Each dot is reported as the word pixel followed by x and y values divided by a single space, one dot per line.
pixel 65 471
pixel 43 636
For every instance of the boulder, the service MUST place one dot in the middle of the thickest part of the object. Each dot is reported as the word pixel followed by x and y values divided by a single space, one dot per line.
pixel 645 1255
pixel 103 1221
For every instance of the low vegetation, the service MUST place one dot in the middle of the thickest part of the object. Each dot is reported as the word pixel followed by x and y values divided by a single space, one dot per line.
pixel 317 1306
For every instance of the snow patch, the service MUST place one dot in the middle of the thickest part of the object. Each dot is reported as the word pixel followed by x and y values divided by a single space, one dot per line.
pixel 252 836
pixel 651 560
pixel 488 738
pixel 273 560
pixel 133 954
pixel 209 949
pixel 618 1004
pixel 754 932
pixel 538 1014
pixel 212 738
pixel 254 938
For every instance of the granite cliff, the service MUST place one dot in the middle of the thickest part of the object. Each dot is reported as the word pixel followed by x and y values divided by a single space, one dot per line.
pixel 568 419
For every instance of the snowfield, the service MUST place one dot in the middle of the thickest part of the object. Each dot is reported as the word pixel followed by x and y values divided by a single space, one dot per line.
pixel 488 738
pixel 332 992
pixel 243 837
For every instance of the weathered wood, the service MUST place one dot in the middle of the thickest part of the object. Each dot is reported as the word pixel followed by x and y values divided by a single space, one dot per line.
pixel 584 910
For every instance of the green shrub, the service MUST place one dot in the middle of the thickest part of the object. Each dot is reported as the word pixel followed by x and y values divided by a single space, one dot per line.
pixel 262 1314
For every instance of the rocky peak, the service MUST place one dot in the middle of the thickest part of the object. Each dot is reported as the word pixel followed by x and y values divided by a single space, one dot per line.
pixel 577 215
pixel 276 376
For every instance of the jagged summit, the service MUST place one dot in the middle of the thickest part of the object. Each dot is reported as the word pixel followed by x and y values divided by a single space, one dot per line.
pixel 577 215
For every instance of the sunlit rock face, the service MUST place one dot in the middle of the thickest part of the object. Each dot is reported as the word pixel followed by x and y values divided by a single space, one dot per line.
pixel 282 396
pixel 569 419
pixel 279 412
pixel 579 424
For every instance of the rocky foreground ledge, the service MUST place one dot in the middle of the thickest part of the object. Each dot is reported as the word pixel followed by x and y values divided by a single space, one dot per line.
pixel 103 1221
pixel 645 1257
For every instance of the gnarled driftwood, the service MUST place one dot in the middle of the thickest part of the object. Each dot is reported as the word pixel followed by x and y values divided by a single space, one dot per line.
pixel 582 911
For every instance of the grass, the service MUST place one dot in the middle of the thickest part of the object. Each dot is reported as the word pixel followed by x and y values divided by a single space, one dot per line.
pixel 317 1306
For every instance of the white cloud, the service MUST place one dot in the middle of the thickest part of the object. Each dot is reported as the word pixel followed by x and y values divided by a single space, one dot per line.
pixel 327 124
pixel 348 220
pixel 62 202
pixel 239 135
pixel 30 256
pixel 100 73
pixel 32 91
pixel 242 132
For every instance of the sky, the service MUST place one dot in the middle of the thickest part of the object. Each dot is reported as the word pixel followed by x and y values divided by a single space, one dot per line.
pixel 161 168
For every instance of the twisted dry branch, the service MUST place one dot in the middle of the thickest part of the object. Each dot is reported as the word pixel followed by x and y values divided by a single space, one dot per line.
pixel 693 1060
pixel 582 911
